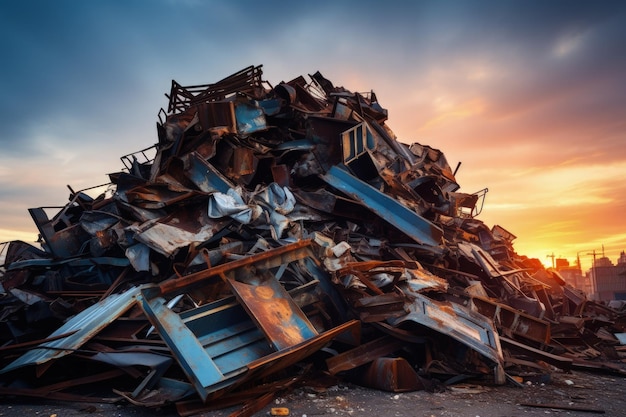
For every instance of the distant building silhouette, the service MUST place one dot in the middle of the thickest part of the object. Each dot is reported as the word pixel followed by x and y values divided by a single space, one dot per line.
pixel 603 282
pixel 608 281
pixel 573 275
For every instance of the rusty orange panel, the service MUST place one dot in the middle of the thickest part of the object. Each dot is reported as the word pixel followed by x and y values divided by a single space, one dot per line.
pixel 274 311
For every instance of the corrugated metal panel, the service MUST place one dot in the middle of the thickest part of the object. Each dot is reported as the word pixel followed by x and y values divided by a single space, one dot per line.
pixel 79 330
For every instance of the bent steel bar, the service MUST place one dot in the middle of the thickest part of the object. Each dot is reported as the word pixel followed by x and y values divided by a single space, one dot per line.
pixel 389 209
pixel 269 259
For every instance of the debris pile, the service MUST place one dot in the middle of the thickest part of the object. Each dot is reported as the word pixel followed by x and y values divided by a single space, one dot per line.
pixel 270 233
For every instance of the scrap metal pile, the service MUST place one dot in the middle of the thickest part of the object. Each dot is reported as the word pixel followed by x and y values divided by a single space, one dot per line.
pixel 273 232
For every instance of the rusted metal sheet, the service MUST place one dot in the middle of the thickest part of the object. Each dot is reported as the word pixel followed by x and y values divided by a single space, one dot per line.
pixel 156 196
pixel 273 310
pixel 463 325
pixel 217 115
pixel 392 374
pixel 63 238
pixel 178 230
pixel 380 307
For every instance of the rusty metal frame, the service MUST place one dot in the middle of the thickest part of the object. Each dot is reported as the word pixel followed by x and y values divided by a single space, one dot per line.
pixel 363 354
pixel 221 344
pixel 248 80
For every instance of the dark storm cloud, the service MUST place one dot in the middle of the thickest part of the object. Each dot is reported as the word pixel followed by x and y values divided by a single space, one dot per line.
pixel 89 59
pixel 64 58
pixel 599 56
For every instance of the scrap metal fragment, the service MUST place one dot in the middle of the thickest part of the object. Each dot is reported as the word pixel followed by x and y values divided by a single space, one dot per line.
pixel 48 394
pixel 392 374
pixel 556 360
pixel 512 320
pixel 461 324
pixel 565 407
pixel 363 354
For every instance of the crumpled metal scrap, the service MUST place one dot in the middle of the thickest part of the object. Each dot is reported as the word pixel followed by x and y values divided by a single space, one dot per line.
pixel 270 225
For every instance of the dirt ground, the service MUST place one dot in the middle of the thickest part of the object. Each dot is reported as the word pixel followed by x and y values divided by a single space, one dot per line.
pixel 566 394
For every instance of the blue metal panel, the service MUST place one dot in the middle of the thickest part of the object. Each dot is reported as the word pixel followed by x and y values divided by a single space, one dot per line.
pixel 204 175
pixel 297 145
pixel 250 118
pixel 190 354
pixel 270 107
pixel 409 222
pixel 227 334
pixel 218 345
pixel 238 350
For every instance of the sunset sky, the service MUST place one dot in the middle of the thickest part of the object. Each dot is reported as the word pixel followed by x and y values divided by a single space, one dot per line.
pixel 529 96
